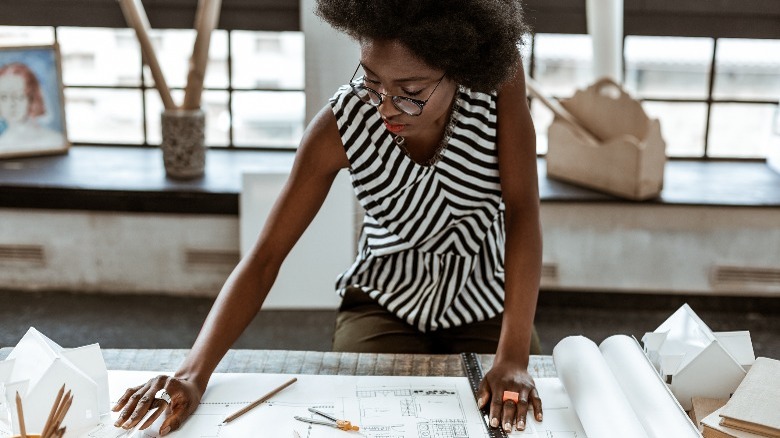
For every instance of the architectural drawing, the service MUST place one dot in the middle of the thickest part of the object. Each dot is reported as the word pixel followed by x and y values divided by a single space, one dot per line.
pixel 383 407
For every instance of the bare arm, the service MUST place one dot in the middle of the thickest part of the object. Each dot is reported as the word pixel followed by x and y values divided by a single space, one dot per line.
pixel 523 258
pixel 318 160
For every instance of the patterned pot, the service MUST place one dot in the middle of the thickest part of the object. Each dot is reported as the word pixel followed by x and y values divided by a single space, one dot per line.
pixel 183 138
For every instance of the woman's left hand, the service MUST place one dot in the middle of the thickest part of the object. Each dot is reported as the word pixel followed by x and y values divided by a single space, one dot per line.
pixel 511 377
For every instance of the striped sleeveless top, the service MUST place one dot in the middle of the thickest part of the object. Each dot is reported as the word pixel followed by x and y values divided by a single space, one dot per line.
pixel 431 248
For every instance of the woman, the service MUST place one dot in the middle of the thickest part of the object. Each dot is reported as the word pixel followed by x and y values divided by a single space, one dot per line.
pixel 21 105
pixel 435 131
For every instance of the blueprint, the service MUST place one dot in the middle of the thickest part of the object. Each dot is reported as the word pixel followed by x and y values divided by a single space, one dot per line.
pixel 383 407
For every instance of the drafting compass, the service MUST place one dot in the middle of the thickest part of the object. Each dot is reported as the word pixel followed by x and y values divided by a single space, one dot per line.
pixel 334 422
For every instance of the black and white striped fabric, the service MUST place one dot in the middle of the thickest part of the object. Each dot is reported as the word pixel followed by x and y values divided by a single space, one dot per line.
pixel 431 249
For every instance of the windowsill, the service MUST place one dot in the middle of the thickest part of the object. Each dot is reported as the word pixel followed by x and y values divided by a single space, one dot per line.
pixel 133 180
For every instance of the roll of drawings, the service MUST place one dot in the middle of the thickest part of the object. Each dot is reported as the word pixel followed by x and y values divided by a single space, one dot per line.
pixel 603 409
pixel 605 26
pixel 658 410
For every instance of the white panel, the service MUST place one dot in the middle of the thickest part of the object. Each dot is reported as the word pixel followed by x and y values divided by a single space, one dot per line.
pixel 116 252
pixel 331 58
pixel 652 248
pixel 308 275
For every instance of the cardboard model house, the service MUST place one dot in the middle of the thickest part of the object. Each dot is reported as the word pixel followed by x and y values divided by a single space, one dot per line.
pixel 694 361
pixel 37 368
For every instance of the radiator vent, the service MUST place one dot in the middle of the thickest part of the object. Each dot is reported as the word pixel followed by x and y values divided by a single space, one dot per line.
pixel 550 272
pixel 732 275
pixel 206 258
pixel 27 255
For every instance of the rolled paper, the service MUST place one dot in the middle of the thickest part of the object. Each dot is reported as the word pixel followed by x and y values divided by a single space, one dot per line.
pixel 605 26
pixel 136 17
pixel 595 394
pixel 206 20
pixel 558 109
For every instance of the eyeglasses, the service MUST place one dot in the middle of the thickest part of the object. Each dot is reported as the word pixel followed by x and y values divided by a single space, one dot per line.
pixel 407 105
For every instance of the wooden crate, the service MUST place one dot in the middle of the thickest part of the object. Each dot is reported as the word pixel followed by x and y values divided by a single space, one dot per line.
pixel 628 160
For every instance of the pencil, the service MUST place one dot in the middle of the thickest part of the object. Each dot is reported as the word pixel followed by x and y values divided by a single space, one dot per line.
pixel 255 403
pixel 53 411
pixel 20 411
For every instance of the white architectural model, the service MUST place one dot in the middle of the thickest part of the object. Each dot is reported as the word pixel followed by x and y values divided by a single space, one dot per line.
pixel 37 368
pixel 694 361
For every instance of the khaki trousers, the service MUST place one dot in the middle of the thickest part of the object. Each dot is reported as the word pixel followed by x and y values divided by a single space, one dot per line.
pixel 364 326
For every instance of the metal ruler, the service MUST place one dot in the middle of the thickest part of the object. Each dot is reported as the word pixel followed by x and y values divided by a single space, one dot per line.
pixel 473 368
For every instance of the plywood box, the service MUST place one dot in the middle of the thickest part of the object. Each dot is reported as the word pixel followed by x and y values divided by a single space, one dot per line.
pixel 629 156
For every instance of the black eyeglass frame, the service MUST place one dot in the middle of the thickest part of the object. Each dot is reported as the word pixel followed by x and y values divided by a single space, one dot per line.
pixel 393 98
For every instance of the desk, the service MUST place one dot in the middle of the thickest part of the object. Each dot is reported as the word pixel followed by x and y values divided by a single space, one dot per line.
pixel 310 362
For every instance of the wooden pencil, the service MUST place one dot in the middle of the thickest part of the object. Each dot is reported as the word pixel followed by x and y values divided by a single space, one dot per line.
pixel 61 412
pixel 53 410
pixel 20 412
pixel 255 403
pixel 135 15
pixel 68 402
pixel 206 19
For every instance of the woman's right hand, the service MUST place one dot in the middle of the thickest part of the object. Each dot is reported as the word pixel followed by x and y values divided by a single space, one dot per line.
pixel 138 401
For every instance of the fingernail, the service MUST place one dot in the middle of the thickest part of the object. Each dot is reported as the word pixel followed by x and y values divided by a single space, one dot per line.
pixel 520 425
pixel 494 422
pixel 118 423
pixel 165 431
pixel 508 427
pixel 538 416
pixel 479 402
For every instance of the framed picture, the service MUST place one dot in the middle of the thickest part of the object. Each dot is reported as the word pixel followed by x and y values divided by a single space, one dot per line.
pixel 32 110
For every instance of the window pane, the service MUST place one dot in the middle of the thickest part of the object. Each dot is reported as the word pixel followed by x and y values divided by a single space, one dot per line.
pixel 542 117
pixel 682 126
pixel 23 36
pixel 104 116
pixel 174 49
pixel 668 67
pixel 740 130
pixel 563 63
pixel 267 118
pixel 267 60
pixel 95 56
pixel 215 103
pixel 747 69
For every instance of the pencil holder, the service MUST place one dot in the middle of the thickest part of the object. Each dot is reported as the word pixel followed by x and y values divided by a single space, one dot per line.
pixel 183 143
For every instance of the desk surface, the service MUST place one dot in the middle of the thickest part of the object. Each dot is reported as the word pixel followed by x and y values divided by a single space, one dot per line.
pixel 310 362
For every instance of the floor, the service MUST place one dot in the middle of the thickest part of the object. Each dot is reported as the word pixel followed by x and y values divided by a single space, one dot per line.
pixel 132 321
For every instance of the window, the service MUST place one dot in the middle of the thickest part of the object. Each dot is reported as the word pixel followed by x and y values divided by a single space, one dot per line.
pixel 715 97
pixel 255 101
pixel 710 73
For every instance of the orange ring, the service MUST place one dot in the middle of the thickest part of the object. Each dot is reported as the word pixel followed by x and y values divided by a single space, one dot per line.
pixel 510 395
